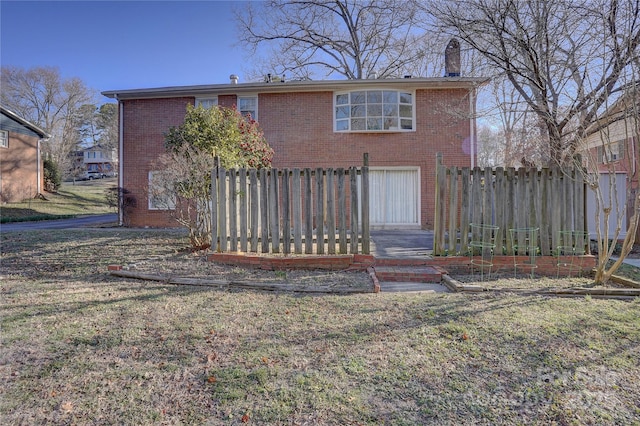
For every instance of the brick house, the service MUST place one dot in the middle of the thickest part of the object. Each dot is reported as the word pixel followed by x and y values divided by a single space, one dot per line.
pixel 611 149
pixel 21 174
pixel 400 123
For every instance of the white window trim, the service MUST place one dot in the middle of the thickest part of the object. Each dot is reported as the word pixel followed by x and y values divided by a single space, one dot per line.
pixel 151 204
pixel 249 96
pixel 4 139
pixel 376 88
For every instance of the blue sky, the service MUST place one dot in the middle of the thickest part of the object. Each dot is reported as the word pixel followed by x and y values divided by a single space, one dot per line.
pixel 125 44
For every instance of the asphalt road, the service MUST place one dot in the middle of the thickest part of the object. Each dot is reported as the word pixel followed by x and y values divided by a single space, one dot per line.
pixel 78 222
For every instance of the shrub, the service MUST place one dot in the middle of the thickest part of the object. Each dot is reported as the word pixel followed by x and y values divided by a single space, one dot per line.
pixel 52 176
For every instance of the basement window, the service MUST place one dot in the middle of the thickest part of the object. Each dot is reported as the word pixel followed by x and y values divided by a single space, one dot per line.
pixel 374 111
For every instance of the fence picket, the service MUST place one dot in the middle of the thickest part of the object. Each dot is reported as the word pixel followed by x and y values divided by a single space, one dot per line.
pixel 353 179
pixel 319 211
pixel 264 211
pixel 331 214
pixel 254 205
pixel 308 215
pixel 297 211
pixel 286 215
pixel 274 216
pixel 242 194
pixel 342 212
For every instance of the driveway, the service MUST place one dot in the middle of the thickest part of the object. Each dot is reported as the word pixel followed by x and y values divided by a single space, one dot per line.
pixel 76 222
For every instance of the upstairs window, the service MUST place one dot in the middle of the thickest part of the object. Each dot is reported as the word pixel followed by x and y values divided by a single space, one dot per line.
pixel 207 102
pixel 611 152
pixel 248 106
pixel 374 111
pixel 4 139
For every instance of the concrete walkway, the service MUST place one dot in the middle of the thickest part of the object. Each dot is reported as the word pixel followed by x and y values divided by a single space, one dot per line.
pixel 401 243
pixel 404 244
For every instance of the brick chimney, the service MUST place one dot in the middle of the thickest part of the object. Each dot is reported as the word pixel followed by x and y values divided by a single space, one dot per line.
pixel 452 59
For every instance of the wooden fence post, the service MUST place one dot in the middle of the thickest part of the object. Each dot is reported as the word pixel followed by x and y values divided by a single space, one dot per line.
pixel 297 212
pixel 438 219
pixel 355 233
pixel 243 209
pixel 233 211
pixel 264 211
pixel 308 215
pixel 286 213
pixel 255 208
pixel 215 241
pixel 366 235
pixel 274 215
pixel 452 185
pixel 331 213
pixel 222 209
pixel 319 211
pixel 342 212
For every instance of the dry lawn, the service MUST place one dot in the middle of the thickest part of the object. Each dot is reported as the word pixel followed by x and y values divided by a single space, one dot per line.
pixel 79 346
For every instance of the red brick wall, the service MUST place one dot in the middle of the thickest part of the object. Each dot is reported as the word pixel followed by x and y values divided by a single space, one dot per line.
pixel 145 122
pixel 299 127
pixel 19 168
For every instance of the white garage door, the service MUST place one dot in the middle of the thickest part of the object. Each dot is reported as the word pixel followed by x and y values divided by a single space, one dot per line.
pixel 394 195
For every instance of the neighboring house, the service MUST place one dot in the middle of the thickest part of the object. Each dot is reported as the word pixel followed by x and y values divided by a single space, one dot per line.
pixel 612 150
pixel 100 159
pixel 400 123
pixel 21 174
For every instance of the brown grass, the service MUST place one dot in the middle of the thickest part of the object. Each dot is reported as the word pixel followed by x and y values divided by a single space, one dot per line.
pixel 81 347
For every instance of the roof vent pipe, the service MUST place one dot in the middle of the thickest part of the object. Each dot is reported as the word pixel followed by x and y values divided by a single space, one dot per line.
pixel 233 79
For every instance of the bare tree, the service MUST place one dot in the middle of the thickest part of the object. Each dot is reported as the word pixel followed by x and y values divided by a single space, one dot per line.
pixel 43 97
pixel 564 58
pixel 351 38
pixel 612 150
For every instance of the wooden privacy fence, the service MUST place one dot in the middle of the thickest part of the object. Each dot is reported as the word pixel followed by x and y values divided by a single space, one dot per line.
pixel 550 199
pixel 310 211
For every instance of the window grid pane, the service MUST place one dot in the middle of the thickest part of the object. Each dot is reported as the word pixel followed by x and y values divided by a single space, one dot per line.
pixel 374 110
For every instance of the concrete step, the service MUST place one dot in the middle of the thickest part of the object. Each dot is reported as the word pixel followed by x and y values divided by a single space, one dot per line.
pixel 416 274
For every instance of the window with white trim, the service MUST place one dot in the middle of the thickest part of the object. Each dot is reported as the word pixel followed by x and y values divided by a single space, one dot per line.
pixel 207 102
pixel 613 151
pixel 161 194
pixel 4 139
pixel 374 111
pixel 248 106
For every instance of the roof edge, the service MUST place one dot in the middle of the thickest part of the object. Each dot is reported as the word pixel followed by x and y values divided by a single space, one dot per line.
pixel 28 124
pixel 296 86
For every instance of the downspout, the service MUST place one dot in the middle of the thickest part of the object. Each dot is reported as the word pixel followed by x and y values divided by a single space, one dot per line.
pixel 120 165
pixel 472 127
pixel 39 168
